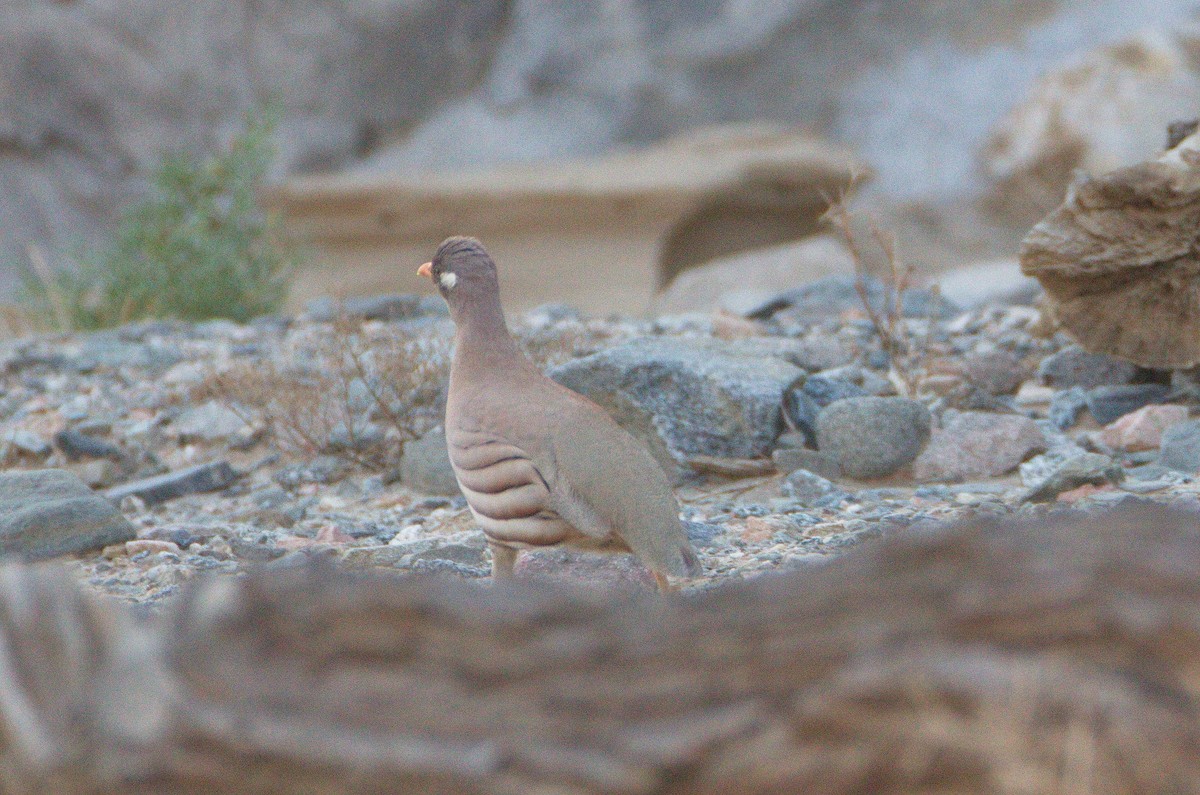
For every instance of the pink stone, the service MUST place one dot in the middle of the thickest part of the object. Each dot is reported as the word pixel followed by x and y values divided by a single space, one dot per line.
pixel 1142 429
pixel 977 444
pixel 622 572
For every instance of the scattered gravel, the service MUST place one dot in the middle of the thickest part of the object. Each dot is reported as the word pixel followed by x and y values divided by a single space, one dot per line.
pixel 195 483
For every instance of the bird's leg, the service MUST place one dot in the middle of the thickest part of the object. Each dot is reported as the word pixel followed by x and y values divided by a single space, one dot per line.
pixel 664 585
pixel 503 560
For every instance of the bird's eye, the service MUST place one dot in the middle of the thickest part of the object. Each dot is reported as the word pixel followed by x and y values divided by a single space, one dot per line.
pixel 448 280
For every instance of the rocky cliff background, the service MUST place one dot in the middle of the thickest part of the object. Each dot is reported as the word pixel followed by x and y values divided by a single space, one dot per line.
pixel 929 92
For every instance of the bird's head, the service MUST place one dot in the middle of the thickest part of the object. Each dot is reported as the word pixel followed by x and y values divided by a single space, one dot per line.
pixel 463 272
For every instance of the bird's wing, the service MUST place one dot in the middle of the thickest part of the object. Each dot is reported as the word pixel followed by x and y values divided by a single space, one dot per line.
pixel 506 490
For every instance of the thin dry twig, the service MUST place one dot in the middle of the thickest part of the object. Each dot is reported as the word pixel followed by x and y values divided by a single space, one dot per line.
pixel 906 354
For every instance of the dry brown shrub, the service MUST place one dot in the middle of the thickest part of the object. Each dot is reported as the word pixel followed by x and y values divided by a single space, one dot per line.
pixel 358 390
pixel 906 351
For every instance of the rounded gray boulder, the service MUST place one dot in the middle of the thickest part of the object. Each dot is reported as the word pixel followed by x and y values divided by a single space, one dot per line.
pixel 871 437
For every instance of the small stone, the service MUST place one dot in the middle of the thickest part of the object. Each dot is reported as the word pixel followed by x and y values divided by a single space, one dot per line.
pixel 149 545
pixel 872 437
pixel 977 444
pixel 1180 447
pixel 1086 468
pixel 1083 492
pixel 1142 429
pixel 1109 403
pixel 426 465
pixel 76 445
pixel 98 474
pixel 790 459
pixel 1066 406
pixel 28 442
pixel 49 512
pixel 213 476
pixel 1073 366
pixel 702 534
pixel 807 487
pixel 208 422
pixel 997 372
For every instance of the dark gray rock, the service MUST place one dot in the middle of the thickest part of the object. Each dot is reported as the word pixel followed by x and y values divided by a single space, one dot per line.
pixel 213 476
pixel 51 512
pixel 1080 470
pixel 833 296
pixel 687 397
pixel 1180 448
pixel 1109 403
pixel 871 437
pixel 1073 366
pixel 702 534
pixel 76 445
pixel 426 465
pixel 801 411
pixel 1066 406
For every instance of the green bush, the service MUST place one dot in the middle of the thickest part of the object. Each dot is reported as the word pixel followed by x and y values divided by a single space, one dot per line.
pixel 199 247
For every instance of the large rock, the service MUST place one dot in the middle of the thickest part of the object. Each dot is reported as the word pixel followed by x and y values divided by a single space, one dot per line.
pixel 1104 113
pixel 1118 260
pixel 872 437
pixel 975 444
pixel 689 397
pixel 51 512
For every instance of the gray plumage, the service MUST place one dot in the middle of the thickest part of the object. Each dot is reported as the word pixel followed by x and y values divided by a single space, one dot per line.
pixel 539 464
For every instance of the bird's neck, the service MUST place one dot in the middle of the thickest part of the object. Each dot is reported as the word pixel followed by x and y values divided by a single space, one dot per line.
pixel 482 336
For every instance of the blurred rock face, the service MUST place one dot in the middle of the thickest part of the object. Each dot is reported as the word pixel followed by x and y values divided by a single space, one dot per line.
pixel 93 93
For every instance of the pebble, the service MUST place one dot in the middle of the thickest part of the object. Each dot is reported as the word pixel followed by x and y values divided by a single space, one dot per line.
pixel 1073 366
pixel 426 465
pixel 76 445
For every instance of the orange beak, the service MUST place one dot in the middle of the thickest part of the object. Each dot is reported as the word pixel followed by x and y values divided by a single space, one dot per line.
pixel 426 270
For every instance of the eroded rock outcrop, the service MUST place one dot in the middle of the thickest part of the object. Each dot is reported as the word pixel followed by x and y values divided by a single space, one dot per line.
pixel 1119 260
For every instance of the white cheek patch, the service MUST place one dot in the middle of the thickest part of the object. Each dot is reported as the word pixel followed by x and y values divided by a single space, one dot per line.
pixel 448 280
